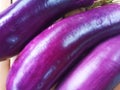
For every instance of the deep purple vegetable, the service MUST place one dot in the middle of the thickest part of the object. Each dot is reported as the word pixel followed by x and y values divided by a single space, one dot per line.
pixel 26 18
pixel 114 83
pixel 97 70
pixel 47 56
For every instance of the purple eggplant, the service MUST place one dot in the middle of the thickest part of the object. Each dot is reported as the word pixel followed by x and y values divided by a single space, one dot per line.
pixel 114 84
pixel 97 70
pixel 26 18
pixel 49 54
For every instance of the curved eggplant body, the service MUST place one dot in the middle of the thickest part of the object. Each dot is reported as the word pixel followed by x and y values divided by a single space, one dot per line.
pixel 49 54
pixel 97 70
pixel 26 18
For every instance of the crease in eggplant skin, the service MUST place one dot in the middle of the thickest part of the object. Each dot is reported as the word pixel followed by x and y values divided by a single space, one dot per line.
pixel 49 48
pixel 26 18
pixel 97 70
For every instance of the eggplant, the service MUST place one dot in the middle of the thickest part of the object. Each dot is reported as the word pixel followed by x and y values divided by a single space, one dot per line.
pixel 97 70
pixel 48 55
pixel 114 84
pixel 24 19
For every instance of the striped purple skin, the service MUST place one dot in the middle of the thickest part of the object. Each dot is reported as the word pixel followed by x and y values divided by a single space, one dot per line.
pixel 97 70
pixel 26 18
pixel 48 55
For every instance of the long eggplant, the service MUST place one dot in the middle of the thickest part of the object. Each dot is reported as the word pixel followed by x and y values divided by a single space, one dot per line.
pixel 26 18
pixel 114 84
pixel 97 70
pixel 49 54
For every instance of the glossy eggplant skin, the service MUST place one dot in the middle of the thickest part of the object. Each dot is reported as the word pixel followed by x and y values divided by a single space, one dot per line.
pixel 49 54
pixel 97 70
pixel 26 18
